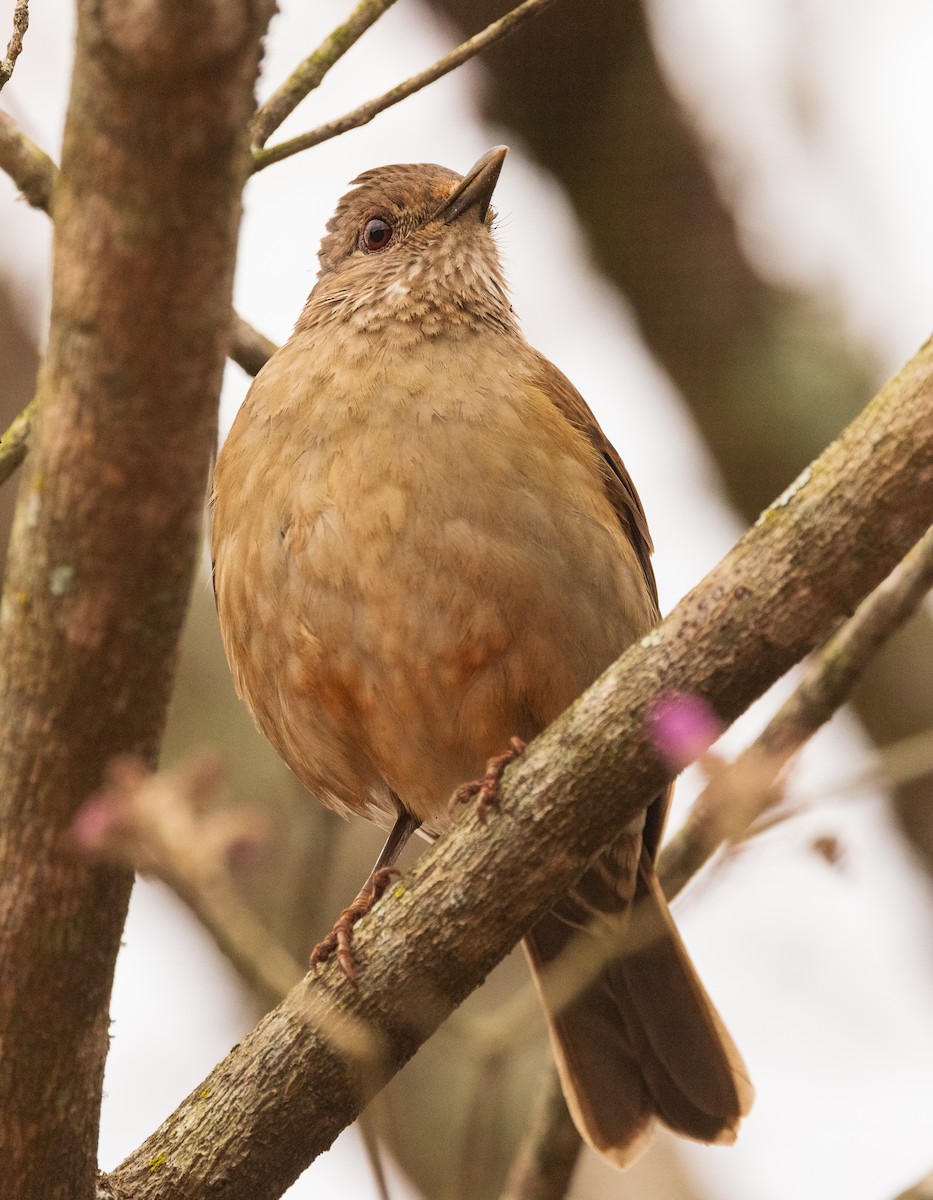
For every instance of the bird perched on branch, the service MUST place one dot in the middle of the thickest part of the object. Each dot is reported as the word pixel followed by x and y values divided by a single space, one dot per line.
pixel 424 546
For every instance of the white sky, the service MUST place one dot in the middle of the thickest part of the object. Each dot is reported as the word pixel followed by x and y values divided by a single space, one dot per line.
pixel 824 975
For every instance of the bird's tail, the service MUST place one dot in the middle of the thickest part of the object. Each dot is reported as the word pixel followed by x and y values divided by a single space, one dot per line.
pixel 642 1042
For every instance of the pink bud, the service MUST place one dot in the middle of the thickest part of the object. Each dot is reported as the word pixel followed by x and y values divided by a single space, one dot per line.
pixel 96 819
pixel 682 727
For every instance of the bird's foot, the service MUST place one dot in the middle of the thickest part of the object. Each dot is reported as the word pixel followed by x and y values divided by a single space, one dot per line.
pixel 340 939
pixel 485 791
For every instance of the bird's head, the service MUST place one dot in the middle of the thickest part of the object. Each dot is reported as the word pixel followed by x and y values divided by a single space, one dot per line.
pixel 413 243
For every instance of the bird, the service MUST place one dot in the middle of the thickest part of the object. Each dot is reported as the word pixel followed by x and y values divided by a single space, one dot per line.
pixel 424 548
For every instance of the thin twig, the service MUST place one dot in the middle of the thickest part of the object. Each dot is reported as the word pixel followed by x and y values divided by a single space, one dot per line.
pixel 168 825
pixel 15 44
pixel 366 1124
pixel 738 795
pixel 365 112
pixel 248 347
pixel 15 442
pixel 900 762
pixel 30 168
pixel 546 1158
pixel 310 74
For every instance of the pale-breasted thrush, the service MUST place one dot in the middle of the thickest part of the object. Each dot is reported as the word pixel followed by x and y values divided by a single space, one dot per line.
pixel 424 546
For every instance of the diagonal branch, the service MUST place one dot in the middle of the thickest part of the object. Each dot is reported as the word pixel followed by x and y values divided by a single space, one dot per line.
pixel 725 810
pixel 740 793
pixel 547 1157
pixel 248 347
pixel 310 73
pixel 171 826
pixel 30 168
pixel 372 108
pixel 15 44
pixel 15 441
pixel 282 1096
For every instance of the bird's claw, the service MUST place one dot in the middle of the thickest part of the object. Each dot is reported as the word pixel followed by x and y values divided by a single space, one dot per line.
pixel 485 791
pixel 339 942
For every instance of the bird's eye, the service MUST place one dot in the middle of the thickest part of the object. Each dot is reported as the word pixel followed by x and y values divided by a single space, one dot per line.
pixel 376 235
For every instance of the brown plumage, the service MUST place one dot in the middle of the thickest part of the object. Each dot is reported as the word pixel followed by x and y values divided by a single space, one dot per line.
pixel 424 545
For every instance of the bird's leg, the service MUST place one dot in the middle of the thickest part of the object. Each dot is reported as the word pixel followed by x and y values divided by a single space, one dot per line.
pixel 340 938
pixel 486 790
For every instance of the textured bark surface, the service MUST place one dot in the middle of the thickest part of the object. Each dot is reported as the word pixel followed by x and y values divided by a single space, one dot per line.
pixel 105 538
pixel 283 1095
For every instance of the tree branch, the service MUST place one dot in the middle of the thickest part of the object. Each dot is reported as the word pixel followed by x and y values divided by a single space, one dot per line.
pixel 30 168
pixel 248 347
pixel 365 112
pixel 35 174
pixel 548 1154
pixel 310 74
pixel 729 804
pixel 170 825
pixel 107 529
pixel 15 44
pixel 248 1132
pixel 15 442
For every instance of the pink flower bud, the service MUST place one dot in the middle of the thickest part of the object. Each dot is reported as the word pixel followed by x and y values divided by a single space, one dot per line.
pixel 682 727
pixel 96 819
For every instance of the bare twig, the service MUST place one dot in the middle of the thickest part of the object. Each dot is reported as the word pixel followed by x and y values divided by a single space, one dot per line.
pixel 903 761
pixel 367 1126
pixel 310 73
pixel 738 795
pixel 30 168
pixel 248 347
pixel 169 825
pixel 15 442
pixel 365 112
pixel 15 44
pixel 547 1156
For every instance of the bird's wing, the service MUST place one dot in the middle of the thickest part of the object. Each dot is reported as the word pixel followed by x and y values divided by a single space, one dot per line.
pixel 624 499
pixel 618 483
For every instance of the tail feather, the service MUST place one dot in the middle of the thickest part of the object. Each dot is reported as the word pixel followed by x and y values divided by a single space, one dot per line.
pixel 642 1043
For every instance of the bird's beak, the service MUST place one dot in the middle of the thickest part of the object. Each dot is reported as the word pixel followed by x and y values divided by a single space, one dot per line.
pixel 476 187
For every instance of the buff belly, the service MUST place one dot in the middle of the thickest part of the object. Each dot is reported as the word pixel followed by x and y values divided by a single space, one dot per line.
pixel 389 639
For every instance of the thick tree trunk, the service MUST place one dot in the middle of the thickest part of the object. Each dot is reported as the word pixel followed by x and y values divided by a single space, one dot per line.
pixel 107 526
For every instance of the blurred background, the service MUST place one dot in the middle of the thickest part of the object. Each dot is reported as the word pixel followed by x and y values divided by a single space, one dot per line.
pixel 716 221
